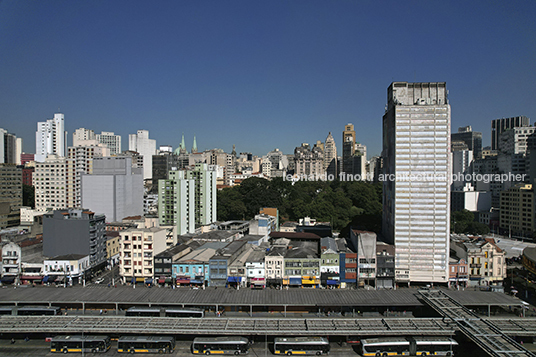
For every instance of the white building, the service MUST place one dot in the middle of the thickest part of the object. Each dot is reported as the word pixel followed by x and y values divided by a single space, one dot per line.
pixel 416 151
pixel 146 147
pixel 471 200
pixel 80 136
pixel 114 189
pixel 51 138
pixel 67 269
pixel 11 262
pixel 111 140
pixel 50 180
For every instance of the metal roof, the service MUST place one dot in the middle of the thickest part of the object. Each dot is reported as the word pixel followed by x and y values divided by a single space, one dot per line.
pixel 291 297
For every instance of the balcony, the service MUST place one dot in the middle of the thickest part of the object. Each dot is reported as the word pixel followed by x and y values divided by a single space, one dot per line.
pixel 475 265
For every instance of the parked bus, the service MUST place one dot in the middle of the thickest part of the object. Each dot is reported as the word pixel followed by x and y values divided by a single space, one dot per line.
pixel 411 346
pixel 184 312
pixel 220 345
pixel 6 310
pixel 93 344
pixel 301 346
pixel 146 344
pixel 38 310
pixel 436 346
pixel 143 311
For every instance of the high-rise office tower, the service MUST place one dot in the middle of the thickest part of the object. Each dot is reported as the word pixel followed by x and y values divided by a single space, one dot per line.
pixel 416 153
pixel 113 141
pixel 498 126
pixel 146 147
pixel 330 156
pixel 348 147
pixel 51 138
pixel 473 140
pixel 8 148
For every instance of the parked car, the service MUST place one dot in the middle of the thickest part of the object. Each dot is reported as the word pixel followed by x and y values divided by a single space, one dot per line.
pixel 99 281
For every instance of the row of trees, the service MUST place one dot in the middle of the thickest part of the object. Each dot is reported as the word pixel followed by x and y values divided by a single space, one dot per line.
pixel 338 202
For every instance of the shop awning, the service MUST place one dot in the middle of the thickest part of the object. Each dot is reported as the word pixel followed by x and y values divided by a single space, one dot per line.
pixel 196 281
pixel 161 280
pixel 140 280
pixel 8 279
pixel 234 279
pixel 332 282
pixel 149 281
pixel 31 277
pixel 258 282
pixel 295 281
pixel 45 279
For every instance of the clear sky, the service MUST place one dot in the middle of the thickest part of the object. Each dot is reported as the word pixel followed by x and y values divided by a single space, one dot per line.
pixel 261 74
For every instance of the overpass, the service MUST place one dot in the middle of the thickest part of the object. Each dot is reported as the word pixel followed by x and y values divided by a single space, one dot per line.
pixel 484 332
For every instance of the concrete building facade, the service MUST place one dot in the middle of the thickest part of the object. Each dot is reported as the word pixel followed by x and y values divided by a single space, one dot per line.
pixel 50 181
pixel 51 138
pixel 416 207
pixel 75 231
pixel 498 126
pixel 146 147
pixel 111 140
pixel 114 189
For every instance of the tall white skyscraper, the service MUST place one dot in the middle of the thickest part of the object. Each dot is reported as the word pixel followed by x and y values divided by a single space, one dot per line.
pixel 146 147
pixel 113 141
pixel 51 138
pixel 416 154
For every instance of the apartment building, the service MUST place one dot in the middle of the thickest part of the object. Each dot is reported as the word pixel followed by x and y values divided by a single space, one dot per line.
pixel 139 246
pixel 517 210
pixel 50 182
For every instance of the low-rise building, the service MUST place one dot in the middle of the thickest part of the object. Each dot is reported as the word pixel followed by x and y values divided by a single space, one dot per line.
pixel 302 264
pixel 66 269
pixel 113 248
pixel 163 262
pixel 255 269
pixel 220 262
pixel 385 266
pixel 329 262
pixel 193 268
pixel 11 263
pixel 274 266
pixel 458 272
pixel 348 264
pixel 138 247
pixel 487 263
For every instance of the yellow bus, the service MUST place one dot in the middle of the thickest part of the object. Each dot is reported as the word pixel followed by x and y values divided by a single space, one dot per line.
pixel 221 345
pixel 146 344
pixel 93 344
pixel 301 346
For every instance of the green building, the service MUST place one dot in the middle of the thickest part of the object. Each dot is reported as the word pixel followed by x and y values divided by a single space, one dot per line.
pixel 188 198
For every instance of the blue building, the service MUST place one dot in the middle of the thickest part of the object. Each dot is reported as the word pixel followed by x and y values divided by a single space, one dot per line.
pixel 192 269
pixel 219 263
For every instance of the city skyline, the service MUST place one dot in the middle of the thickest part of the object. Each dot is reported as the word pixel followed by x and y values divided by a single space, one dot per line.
pixel 258 75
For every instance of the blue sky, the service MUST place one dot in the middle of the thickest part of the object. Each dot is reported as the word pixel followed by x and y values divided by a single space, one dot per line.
pixel 259 74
